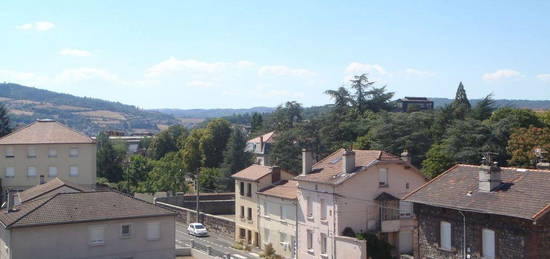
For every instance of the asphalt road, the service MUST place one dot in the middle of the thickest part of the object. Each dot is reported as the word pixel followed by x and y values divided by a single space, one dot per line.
pixel 218 243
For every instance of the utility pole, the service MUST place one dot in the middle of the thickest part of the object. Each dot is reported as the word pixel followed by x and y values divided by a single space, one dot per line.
pixel 197 187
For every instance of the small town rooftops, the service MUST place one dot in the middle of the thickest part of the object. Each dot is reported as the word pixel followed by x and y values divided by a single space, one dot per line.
pixel 284 189
pixel 266 138
pixel 45 132
pixel 76 207
pixel 329 169
pixel 522 193
pixel 47 188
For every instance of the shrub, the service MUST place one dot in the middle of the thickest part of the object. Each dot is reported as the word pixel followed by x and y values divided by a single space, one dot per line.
pixel 348 232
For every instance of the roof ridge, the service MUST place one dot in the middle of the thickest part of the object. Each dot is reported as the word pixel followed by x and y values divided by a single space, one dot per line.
pixel 430 181
pixel 17 130
pixel 33 210
pixel 513 168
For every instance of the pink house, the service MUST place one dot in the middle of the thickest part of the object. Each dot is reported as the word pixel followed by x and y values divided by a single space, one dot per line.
pixel 359 189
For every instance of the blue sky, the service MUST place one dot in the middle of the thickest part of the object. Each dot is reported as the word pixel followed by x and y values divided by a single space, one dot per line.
pixel 235 54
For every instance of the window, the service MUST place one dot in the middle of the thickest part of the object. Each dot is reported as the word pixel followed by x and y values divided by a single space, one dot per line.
pixel 242 212
pixel 282 238
pixel 73 152
pixel 323 243
pixel 52 171
pixel 73 171
pixel 405 209
pixel 249 213
pixel 153 231
pixel 310 240
pixel 265 209
pixel 282 212
pixel 323 209
pixel 249 191
pixel 97 235
pixel 52 152
pixel 125 230
pixel 31 171
pixel 445 235
pixel 266 235
pixel 488 239
pixel 242 189
pixel 31 152
pixel 9 152
pixel 383 177
pixel 309 207
pixel 242 233
pixel 10 172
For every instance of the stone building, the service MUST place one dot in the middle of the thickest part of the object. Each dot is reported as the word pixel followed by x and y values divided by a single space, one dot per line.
pixel 483 212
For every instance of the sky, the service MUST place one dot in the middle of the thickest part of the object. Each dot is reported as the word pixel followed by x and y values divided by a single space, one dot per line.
pixel 240 54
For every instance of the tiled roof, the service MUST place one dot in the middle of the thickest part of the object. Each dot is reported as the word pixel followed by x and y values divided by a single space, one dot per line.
pixel 285 190
pixel 524 193
pixel 254 172
pixel 329 169
pixel 79 207
pixel 48 187
pixel 267 138
pixel 45 132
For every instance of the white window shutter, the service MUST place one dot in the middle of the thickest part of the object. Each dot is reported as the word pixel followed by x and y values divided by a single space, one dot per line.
pixel 153 230
pixel 488 243
pixel 445 233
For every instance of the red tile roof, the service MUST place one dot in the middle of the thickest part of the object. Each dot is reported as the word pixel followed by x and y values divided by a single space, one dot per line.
pixel 45 132
pixel 524 193
pixel 267 138
pixel 284 189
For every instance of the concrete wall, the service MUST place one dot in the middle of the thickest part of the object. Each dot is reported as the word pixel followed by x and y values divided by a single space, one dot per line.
pixel 271 219
pixel 514 237
pixel 72 240
pixel 86 163
pixel 350 248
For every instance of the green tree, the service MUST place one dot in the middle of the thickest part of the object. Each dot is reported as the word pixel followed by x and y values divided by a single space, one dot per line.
pixel 523 142
pixel 192 157
pixel 285 152
pixel 4 121
pixel 168 174
pixel 461 105
pixel 341 97
pixel 437 161
pixel 210 180
pixel 235 159
pixel 483 109
pixel 219 131
pixel 256 123
pixel 285 117
pixel 368 97
pixel 109 158
pixel 136 171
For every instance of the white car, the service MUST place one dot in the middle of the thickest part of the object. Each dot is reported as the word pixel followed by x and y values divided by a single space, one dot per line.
pixel 197 229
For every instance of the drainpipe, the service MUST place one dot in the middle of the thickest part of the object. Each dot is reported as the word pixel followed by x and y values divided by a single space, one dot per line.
pixel 296 231
pixel 334 222
pixel 463 234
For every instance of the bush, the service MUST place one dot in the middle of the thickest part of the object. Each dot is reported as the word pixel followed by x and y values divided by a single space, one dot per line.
pixel 376 248
pixel 348 232
pixel 269 252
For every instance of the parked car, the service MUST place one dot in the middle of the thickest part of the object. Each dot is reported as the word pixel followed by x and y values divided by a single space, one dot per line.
pixel 197 229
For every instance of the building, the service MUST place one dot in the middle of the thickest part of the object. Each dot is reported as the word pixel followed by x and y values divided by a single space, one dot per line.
pixel 413 104
pixel 260 147
pixel 46 148
pixel 247 183
pixel 361 190
pixel 131 142
pixel 277 220
pixel 483 212
pixel 59 220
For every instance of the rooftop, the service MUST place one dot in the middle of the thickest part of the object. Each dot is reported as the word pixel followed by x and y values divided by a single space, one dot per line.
pixel 284 189
pixel 254 172
pixel 45 132
pixel 524 193
pixel 47 188
pixel 267 138
pixel 329 169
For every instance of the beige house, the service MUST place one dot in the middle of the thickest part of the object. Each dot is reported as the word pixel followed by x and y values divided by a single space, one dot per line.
pixel 247 183
pixel 361 190
pixel 278 217
pixel 58 220
pixel 46 148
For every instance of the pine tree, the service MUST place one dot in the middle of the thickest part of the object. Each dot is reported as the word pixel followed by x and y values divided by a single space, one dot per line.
pixel 235 159
pixel 461 105
pixel 257 122
pixel 4 121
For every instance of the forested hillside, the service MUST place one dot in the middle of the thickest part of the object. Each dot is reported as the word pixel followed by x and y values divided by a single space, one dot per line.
pixel 89 115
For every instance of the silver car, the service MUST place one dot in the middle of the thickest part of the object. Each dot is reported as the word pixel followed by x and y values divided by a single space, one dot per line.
pixel 197 229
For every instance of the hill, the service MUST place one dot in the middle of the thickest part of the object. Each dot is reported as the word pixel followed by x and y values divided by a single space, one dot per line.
pixel 213 113
pixel 525 104
pixel 89 115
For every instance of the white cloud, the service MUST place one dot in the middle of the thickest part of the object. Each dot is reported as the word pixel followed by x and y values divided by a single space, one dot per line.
pixel 357 68
pixel 284 71
pixel 39 26
pixel 544 77
pixel 75 52
pixel 419 73
pixel 81 74
pixel 501 74
pixel 198 83
pixel 173 65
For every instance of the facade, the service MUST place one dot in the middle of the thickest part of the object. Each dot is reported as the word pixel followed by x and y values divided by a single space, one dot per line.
pixel 260 147
pixel 483 212
pixel 413 104
pixel 46 148
pixel 247 183
pixel 361 190
pixel 277 220
pixel 57 221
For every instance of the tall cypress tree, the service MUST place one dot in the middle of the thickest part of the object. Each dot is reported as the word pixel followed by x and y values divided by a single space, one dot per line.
pixel 461 105
pixel 4 121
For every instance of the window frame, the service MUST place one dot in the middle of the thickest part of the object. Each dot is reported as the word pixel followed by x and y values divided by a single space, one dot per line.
pixel 31 152
pixel 50 171
pixel 71 170
pixel 130 230
pixel 309 240
pixel 52 154
pixel 29 170
pixel 309 207
pixel 249 190
pixel 9 152
pixel 91 240
pixel 483 244
pixel 444 234
pixel 75 154
pixel 12 172
pixel 324 244
pixel 323 208
pixel 383 175
pixel 148 232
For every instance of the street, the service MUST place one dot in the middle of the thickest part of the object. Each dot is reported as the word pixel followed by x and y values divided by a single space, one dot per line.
pixel 223 245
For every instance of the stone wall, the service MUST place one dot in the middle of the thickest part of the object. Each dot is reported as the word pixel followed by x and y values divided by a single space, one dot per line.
pixel 514 237
pixel 210 203
pixel 221 226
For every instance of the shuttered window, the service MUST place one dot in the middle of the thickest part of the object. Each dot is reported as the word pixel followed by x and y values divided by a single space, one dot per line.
pixel 10 172
pixel 52 171
pixel 383 177
pixel 31 171
pixel 73 171
pixel 445 235
pixel 97 235
pixel 488 239
pixel 153 230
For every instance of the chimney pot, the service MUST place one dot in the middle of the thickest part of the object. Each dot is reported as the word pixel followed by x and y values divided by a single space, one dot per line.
pixel 405 156
pixel 489 177
pixel 11 200
pixel 275 174
pixel 348 161
pixel 307 161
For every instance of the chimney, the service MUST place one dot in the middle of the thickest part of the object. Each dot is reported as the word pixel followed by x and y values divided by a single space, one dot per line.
pixel 307 161
pixel 42 181
pixel 11 200
pixel 489 177
pixel 275 174
pixel 405 156
pixel 261 143
pixel 348 161
pixel 542 158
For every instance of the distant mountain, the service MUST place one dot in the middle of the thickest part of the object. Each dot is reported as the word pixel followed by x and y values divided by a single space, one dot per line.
pixel 213 113
pixel 89 115
pixel 526 104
